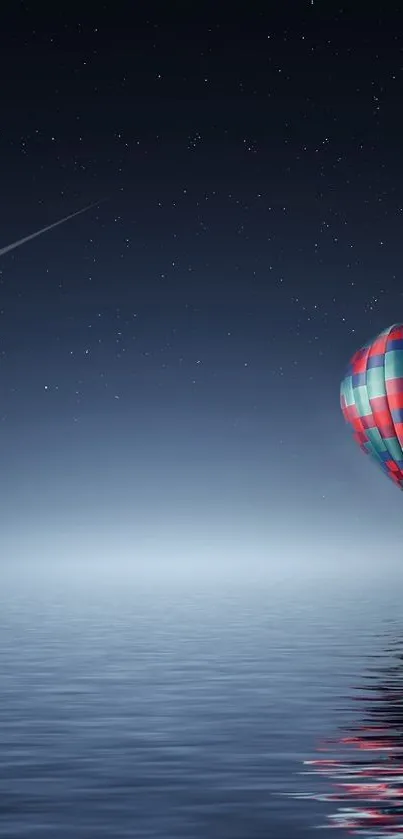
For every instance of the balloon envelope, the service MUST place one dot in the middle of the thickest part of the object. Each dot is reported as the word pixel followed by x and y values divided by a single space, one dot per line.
pixel 371 397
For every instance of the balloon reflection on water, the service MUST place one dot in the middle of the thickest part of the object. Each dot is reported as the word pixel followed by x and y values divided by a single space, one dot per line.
pixel 365 766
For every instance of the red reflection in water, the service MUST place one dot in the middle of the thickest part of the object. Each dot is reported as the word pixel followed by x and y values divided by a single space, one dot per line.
pixel 369 788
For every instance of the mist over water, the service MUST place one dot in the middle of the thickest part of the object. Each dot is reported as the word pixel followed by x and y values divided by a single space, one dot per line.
pixel 176 707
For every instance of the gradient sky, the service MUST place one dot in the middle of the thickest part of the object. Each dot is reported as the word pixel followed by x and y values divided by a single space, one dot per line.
pixel 170 361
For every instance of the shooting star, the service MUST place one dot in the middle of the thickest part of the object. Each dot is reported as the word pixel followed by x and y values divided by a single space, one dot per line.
pixel 45 229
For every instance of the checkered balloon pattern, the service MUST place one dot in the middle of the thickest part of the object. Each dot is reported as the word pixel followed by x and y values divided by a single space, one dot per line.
pixel 371 397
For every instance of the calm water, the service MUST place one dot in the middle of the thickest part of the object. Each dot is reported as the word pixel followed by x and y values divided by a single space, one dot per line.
pixel 134 712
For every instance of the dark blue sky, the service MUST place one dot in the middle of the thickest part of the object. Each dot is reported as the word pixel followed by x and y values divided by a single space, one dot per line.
pixel 170 361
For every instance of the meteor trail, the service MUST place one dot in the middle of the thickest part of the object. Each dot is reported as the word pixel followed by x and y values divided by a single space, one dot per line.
pixel 45 229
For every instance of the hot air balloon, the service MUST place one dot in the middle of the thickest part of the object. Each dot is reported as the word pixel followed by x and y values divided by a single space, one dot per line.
pixel 371 397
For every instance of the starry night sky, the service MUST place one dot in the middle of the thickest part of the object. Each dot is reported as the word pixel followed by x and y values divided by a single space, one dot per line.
pixel 170 360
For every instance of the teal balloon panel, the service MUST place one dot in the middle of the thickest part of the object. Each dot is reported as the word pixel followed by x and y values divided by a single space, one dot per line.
pixel 371 398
